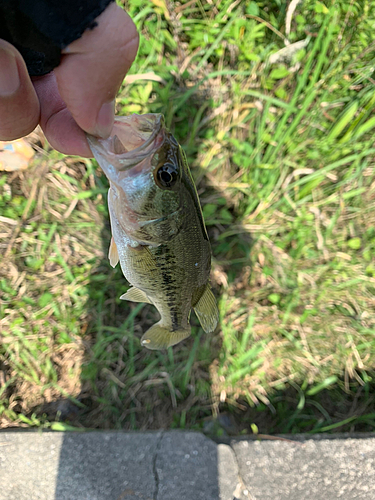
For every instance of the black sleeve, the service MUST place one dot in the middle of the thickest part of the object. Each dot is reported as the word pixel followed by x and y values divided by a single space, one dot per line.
pixel 40 29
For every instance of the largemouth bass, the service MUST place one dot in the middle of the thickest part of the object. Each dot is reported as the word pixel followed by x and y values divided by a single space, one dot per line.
pixel 158 232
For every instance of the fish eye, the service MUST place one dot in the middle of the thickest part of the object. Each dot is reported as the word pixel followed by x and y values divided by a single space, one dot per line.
pixel 167 175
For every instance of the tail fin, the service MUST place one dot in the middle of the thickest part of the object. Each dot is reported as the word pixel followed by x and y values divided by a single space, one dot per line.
pixel 160 337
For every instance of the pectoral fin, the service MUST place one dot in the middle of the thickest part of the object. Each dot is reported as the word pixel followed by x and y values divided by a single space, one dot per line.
pixel 207 311
pixel 160 337
pixel 113 253
pixel 135 295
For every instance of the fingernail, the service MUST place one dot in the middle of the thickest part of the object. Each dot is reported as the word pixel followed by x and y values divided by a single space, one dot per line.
pixel 9 77
pixel 106 117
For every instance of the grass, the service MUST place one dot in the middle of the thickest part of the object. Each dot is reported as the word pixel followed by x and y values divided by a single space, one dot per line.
pixel 281 147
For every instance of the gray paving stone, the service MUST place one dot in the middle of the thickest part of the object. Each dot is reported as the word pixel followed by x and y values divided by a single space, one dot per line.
pixel 319 469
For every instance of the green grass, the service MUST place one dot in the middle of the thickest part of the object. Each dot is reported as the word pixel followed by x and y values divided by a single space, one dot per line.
pixel 283 157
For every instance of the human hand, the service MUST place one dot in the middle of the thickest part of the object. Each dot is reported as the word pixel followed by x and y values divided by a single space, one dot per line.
pixel 77 96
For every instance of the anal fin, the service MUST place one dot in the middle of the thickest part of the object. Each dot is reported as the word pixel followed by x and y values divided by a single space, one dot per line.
pixel 207 311
pixel 135 295
pixel 113 253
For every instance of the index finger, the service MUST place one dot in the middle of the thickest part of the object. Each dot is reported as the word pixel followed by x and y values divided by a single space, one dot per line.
pixel 93 68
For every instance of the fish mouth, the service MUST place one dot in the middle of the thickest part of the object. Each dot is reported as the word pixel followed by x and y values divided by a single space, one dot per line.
pixel 133 138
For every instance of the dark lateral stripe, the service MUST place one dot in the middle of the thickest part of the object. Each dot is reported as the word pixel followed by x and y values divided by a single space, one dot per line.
pixel 164 264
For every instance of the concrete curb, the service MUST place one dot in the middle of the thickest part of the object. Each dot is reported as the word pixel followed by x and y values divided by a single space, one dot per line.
pixel 111 465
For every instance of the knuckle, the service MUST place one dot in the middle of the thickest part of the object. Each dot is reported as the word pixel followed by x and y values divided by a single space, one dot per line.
pixel 125 37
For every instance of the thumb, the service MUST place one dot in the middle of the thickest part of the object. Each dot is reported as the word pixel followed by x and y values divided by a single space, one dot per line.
pixel 93 68
pixel 19 105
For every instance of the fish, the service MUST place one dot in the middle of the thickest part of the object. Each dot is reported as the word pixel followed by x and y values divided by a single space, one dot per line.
pixel 158 232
